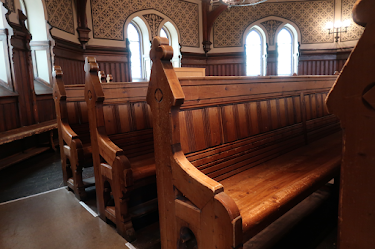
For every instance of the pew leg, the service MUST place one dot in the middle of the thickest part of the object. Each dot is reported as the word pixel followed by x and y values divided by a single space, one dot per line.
pixel 124 224
pixel 67 173
pixel 51 142
pixel 79 187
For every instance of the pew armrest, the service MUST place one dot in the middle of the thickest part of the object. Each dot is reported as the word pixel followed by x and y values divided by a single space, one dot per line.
pixel 193 184
pixel 69 135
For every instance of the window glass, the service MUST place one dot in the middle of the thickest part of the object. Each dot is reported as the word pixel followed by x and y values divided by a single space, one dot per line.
pixel 253 54
pixel 285 52
pixel 3 71
pixel 135 49
pixel 42 64
pixel 163 33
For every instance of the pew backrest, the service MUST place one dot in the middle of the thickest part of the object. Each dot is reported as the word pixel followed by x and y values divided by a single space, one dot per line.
pixel 221 114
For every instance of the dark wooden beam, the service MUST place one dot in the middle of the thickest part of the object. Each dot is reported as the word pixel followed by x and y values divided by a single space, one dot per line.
pixel 83 30
pixel 209 18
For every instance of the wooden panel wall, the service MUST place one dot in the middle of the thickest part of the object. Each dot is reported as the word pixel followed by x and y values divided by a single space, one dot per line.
pixel 9 116
pixel 216 65
pixel 321 62
pixel 70 56
pixel 46 108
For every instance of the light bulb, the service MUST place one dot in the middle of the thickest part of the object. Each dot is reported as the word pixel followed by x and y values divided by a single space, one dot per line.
pixel 338 24
pixel 329 25
pixel 346 23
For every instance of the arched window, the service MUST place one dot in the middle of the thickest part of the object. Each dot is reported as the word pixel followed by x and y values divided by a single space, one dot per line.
pixel 134 37
pixel 5 72
pixel 163 33
pixel 285 52
pixel 254 53
pixel 169 31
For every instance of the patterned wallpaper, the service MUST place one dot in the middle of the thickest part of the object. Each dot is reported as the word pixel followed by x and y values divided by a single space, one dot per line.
pixel 153 21
pixel 60 14
pixel 109 17
pixel 310 16
pixel 354 31
pixel 271 27
pixel 10 5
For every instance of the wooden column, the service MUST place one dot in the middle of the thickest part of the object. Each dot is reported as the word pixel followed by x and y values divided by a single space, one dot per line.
pixel 23 73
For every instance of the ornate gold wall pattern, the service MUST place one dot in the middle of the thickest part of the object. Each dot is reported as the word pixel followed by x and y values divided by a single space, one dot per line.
pixel 60 14
pixel 108 17
pixel 354 31
pixel 271 27
pixel 310 16
pixel 153 21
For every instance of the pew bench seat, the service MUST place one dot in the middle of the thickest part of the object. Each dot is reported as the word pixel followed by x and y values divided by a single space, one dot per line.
pixel 143 166
pixel 269 189
pixel 22 133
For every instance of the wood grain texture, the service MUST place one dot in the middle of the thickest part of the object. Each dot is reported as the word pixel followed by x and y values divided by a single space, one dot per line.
pixel 122 145
pixel 74 136
pixel 352 101
pixel 210 132
pixel 70 56
pixel 310 62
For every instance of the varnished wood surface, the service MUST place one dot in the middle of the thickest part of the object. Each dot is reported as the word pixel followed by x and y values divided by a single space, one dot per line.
pixel 74 135
pixel 352 99
pixel 27 131
pixel 214 130
pixel 122 145
pixel 262 190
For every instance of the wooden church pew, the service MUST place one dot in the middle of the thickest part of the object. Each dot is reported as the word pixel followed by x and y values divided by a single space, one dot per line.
pixel 74 135
pixel 233 154
pixel 122 148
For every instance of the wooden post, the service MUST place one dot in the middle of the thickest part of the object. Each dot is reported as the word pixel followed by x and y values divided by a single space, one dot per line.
pixel 352 100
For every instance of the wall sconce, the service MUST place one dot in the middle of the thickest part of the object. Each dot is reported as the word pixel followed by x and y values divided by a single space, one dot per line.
pixel 337 28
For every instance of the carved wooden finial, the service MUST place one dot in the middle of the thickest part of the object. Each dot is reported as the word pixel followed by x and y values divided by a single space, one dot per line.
pixel 164 84
pixel 109 78
pixel 160 49
pixel 57 72
pixel 91 65
pixel 101 75
pixel 58 84
pixel 362 12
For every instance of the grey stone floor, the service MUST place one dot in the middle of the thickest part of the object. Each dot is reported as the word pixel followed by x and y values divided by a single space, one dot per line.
pixel 43 173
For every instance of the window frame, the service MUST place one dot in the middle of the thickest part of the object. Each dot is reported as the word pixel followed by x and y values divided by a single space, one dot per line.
pixel 174 41
pixel 263 40
pixel 5 49
pixel 261 59
pixel 294 49
pixel 141 55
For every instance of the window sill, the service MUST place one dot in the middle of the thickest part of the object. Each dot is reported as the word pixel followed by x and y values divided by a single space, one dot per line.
pixel 5 92
pixel 42 88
